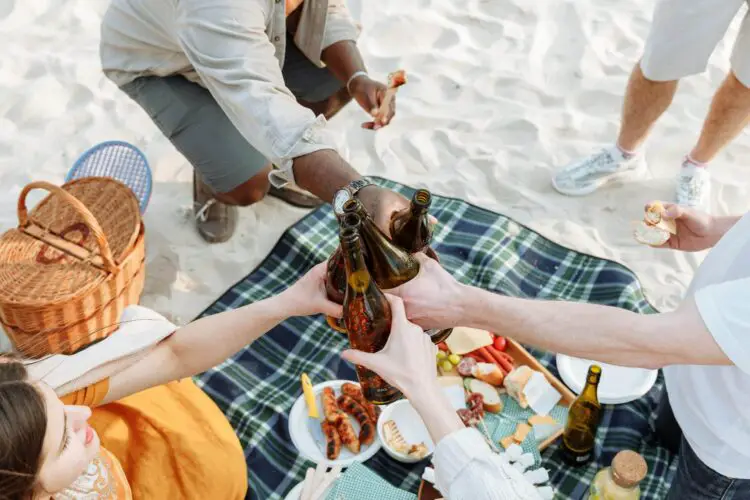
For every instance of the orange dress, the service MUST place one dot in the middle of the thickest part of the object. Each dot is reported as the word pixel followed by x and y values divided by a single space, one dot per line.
pixel 172 441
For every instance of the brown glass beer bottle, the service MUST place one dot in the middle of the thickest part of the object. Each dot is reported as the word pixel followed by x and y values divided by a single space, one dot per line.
pixel 412 231
pixel 367 314
pixel 336 279
pixel 389 265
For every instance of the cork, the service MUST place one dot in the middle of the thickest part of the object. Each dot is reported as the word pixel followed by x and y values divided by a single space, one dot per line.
pixel 628 469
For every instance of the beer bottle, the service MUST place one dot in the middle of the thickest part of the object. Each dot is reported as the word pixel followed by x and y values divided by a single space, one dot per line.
pixel 336 279
pixel 579 435
pixel 389 265
pixel 412 231
pixel 411 228
pixel 367 314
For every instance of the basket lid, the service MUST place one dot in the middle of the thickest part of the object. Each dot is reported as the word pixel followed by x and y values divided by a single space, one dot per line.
pixel 67 244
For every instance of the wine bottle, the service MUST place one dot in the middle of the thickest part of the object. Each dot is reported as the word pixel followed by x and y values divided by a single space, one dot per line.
pixel 367 314
pixel 412 231
pixel 389 265
pixel 584 415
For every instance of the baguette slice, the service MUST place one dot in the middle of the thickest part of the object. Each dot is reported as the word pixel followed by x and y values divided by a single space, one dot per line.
pixel 488 372
pixel 491 399
pixel 655 216
pixel 650 235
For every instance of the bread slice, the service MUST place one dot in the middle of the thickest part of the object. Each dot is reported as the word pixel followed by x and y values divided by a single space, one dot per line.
pixel 655 216
pixel 515 383
pixel 650 235
pixel 491 399
pixel 488 372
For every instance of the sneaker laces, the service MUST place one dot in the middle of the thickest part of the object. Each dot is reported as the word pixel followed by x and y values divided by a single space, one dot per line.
pixel 691 188
pixel 583 170
pixel 202 214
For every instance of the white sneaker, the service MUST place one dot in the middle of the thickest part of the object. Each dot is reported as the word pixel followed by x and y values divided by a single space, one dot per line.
pixel 694 187
pixel 589 174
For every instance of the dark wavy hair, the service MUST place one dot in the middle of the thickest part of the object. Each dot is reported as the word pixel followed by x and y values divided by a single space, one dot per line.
pixel 23 424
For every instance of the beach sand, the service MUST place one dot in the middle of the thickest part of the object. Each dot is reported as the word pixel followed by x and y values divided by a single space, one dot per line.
pixel 500 92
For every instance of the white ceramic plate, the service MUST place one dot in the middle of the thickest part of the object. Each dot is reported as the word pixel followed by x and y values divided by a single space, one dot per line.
pixel 297 491
pixel 410 425
pixel 305 442
pixel 618 384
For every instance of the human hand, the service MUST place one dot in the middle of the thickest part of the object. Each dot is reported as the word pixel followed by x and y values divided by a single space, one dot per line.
pixel 433 298
pixel 370 94
pixel 308 295
pixel 695 229
pixel 408 359
pixel 381 204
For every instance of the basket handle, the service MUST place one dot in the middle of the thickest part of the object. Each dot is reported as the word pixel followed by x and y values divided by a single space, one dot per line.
pixel 88 218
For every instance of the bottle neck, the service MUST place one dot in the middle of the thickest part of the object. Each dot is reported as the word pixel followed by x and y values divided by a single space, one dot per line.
pixel 357 276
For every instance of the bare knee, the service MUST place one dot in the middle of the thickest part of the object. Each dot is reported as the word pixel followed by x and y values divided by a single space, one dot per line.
pixel 247 194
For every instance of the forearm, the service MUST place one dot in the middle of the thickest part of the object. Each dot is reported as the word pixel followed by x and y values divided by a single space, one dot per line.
pixel 323 173
pixel 199 346
pixel 343 60
pixel 433 406
pixel 608 334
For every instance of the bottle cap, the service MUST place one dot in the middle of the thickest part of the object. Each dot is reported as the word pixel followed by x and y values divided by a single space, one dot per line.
pixel 628 469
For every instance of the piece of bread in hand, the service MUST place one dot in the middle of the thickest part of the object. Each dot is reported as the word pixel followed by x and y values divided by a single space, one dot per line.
pixel 516 382
pixel 488 372
pixel 656 216
pixel 650 235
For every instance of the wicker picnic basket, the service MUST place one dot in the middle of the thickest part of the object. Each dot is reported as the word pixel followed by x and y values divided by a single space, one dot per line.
pixel 71 266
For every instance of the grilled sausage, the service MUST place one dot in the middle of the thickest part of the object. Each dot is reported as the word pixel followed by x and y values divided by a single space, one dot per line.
pixel 366 425
pixel 333 441
pixel 354 392
pixel 346 433
pixel 331 411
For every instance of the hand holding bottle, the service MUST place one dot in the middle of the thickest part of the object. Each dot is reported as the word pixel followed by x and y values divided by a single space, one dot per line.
pixel 408 359
pixel 433 298
pixel 308 295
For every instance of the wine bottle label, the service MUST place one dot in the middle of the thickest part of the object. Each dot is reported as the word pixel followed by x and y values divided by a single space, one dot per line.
pixel 583 458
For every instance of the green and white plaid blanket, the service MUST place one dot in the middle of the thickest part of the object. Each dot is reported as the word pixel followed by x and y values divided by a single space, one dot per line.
pixel 257 387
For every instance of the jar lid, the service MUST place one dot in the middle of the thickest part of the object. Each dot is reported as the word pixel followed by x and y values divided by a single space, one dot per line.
pixel 628 468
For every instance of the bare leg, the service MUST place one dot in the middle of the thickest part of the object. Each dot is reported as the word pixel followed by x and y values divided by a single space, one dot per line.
pixel 645 101
pixel 728 115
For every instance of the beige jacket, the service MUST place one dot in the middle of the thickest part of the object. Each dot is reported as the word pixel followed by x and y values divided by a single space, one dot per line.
pixel 234 48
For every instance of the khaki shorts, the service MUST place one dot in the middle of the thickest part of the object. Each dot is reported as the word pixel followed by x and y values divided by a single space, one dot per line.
pixel 684 34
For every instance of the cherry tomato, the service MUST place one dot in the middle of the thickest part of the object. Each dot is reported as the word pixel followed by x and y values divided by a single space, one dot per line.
pixel 443 346
pixel 500 343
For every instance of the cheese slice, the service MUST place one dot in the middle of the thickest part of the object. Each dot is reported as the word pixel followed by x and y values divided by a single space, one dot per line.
pixel 464 340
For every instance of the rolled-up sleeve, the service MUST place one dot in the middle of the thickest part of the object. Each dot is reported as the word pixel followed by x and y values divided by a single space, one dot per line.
pixel 339 24
pixel 467 469
pixel 226 43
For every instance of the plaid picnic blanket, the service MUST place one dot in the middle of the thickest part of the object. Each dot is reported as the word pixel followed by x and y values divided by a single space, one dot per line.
pixel 257 388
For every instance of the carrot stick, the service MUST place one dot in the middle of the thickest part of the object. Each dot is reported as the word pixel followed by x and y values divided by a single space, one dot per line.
pixel 485 355
pixel 504 361
pixel 497 360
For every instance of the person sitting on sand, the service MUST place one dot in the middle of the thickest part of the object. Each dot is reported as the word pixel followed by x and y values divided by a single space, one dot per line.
pixel 703 346
pixel 243 89
pixel 683 36
pixel 148 419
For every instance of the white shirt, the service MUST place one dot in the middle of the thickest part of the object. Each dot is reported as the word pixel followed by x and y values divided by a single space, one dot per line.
pixel 235 49
pixel 712 403
pixel 467 469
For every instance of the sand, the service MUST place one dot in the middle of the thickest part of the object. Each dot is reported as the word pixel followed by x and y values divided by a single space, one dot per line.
pixel 500 93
